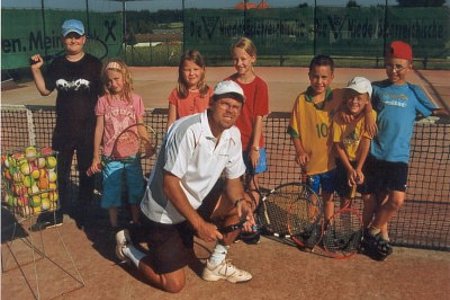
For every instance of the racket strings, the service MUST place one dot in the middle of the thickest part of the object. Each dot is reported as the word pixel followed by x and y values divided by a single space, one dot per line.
pixel 343 232
pixel 274 214
pixel 305 217
pixel 126 145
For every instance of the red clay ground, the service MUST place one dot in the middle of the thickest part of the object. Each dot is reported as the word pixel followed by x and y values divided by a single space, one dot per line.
pixel 280 271
pixel 285 83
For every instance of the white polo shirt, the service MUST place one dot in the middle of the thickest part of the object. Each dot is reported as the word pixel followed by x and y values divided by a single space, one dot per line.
pixel 189 151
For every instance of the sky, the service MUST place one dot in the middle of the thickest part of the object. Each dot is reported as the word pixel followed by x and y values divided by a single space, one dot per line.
pixel 154 5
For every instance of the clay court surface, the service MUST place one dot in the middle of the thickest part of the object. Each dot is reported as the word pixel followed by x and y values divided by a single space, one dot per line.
pixel 155 84
pixel 280 271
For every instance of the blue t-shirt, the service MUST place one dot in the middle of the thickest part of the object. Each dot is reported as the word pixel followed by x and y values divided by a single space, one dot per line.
pixel 397 107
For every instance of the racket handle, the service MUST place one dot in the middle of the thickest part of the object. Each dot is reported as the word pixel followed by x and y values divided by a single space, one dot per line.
pixel 353 191
pixel 90 172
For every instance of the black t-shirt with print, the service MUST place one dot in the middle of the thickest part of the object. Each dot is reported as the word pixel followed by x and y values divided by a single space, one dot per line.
pixel 78 85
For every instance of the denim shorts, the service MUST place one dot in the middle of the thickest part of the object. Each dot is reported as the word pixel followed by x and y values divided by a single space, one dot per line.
pixel 122 178
pixel 261 167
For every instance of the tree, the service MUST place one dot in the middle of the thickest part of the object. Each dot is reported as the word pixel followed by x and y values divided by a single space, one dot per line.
pixel 303 5
pixel 421 3
pixel 352 4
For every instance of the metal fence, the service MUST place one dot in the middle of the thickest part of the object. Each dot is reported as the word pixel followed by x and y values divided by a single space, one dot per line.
pixel 288 34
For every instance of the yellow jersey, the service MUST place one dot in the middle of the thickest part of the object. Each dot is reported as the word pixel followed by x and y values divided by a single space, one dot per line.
pixel 350 135
pixel 311 123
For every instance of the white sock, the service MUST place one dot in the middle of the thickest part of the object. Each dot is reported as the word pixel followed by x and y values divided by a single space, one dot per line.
pixel 134 254
pixel 218 255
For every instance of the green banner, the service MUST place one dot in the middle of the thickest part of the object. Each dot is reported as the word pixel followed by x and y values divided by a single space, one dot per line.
pixel 342 31
pixel 24 34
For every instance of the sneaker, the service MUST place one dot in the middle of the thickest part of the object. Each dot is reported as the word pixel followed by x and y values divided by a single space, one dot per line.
pixel 123 240
pixel 375 246
pixel 46 221
pixel 225 270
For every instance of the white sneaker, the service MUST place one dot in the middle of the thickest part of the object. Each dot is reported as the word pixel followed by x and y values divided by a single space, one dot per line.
pixel 123 240
pixel 225 270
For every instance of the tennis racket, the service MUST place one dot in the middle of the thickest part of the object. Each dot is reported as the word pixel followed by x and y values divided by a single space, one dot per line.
pixel 137 141
pixel 96 47
pixel 343 232
pixel 305 215
pixel 233 227
pixel 272 213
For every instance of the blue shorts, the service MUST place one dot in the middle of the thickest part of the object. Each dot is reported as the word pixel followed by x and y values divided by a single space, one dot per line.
pixel 262 163
pixel 326 181
pixel 118 175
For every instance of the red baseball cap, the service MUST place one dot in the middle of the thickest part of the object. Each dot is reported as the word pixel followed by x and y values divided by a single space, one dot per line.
pixel 400 49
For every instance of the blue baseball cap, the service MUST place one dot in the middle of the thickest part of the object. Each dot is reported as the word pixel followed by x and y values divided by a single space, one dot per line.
pixel 72 25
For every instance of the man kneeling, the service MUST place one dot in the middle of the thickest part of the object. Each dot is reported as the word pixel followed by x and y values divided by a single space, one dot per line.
pixel 185 197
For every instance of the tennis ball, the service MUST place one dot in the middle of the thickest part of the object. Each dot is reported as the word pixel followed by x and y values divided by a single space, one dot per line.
pixel 40 162
pixel 52 176
pixel 25 168
pixel 22 201
pixel 18 176
pixel 11 200
pixel 37 209
pixel 53 196
pixel 50 162
pixel 27 181
pixel 35 201
pixel 35 173
pixel 20 190
pixel 34 189
pixel 45 204
pixel 30 153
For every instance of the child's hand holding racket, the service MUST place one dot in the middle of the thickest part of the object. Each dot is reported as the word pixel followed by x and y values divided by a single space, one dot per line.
pixel 96 167
pixel 150 149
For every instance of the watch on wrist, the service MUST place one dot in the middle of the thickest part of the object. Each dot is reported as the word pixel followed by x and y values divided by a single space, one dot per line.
pixel 255 148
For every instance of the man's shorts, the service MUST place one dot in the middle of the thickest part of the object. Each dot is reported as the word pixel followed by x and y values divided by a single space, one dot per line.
pixel 118 175
pixel 262 163
pixel 171 245
pixel 384 176
pixel 326 182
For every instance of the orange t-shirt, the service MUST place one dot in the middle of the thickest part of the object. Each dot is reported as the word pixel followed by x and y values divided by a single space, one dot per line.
pixel 192 104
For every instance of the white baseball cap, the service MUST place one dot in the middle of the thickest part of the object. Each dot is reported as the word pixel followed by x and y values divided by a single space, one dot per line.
pixel 361 85
pixel 228 88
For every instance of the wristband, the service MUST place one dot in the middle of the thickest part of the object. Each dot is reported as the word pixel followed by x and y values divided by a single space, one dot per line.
pixel 255 148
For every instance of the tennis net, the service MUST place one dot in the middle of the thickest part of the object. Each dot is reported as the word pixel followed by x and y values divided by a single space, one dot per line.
pixel 423 221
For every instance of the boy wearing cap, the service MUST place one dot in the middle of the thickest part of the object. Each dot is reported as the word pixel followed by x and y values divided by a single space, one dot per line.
pixel 351 140
pixel 397 103
pixel 185 196
pixel 76 77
